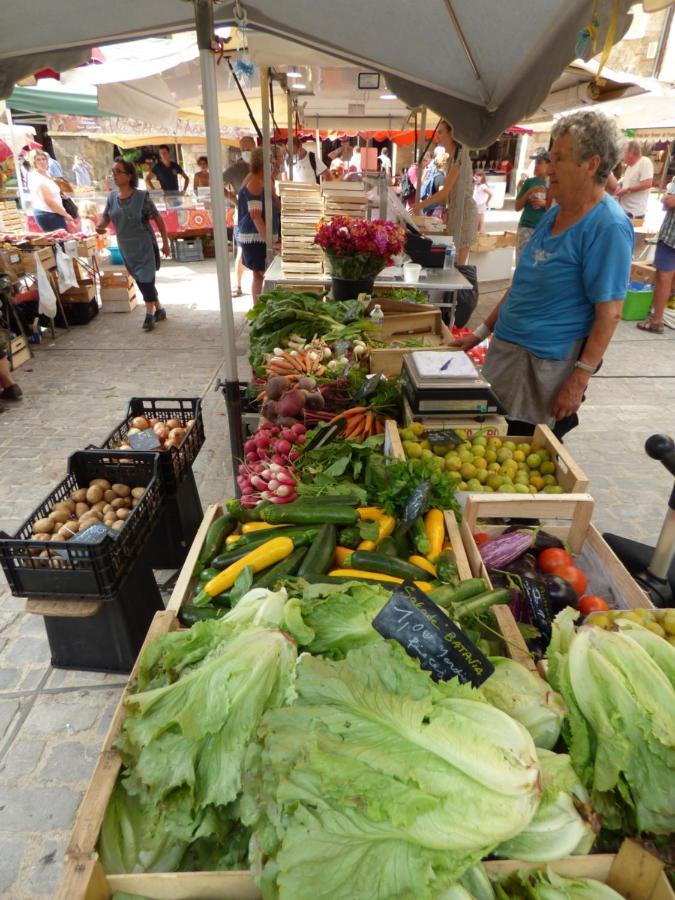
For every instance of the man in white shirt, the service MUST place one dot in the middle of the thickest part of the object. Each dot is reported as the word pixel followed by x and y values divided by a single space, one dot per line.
pixel 633 190
pixel 385 163
pixel 307 167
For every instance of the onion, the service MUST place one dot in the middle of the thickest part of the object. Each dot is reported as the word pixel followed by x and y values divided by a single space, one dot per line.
pixel 174 423
pixel 162 432
pixel 153 422
pixel 140 422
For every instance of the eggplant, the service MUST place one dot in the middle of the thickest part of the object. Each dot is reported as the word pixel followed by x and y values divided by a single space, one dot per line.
pixel 524 565
pixel 542 539
pixel 560 592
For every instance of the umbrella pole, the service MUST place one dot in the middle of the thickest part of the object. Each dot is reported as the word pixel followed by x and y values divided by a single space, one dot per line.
pixel 267 157
pixel 207 63
pixel 289 135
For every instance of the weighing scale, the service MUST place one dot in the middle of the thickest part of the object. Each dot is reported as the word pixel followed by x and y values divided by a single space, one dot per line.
pixel 446 383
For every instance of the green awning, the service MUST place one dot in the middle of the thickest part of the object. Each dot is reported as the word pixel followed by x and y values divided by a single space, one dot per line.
pixel 59 103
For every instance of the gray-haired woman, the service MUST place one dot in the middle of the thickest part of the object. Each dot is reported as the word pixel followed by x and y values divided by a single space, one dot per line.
pixel 553 325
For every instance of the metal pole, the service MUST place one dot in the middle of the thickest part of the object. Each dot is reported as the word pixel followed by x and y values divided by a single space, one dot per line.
pixel 207 63
pixel 289 136
pixel 423 134
pixel 267 156
pixel 459 191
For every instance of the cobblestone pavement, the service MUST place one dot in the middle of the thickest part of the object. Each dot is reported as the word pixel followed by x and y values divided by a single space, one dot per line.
pixel 52 722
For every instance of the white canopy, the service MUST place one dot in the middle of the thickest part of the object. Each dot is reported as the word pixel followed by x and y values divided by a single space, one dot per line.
pixel 483 65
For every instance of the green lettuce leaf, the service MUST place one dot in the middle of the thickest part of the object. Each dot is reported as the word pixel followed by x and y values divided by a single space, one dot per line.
pixel 379 783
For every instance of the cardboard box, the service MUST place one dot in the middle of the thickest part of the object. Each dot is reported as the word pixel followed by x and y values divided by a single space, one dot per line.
pixel 121 305
pixel 116 278
pixel 10 263
pixel 494 241
pixel 109 294
pixel 642 272
pixel 45 254
pixel 20 352
pixel 82 294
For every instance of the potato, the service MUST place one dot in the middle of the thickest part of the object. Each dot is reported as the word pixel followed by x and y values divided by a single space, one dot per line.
pixel 137 492
pixel 135 502
pixel 100 505
pixel 109 495
pixel 94 494
pixel 44 526
pixel 122 490
pixel 173 423
pixel 72 525
pixel 118 525
pixel 123 513
pixel 101 482
pixel 81 509
pixel 79 496
pixel 60 515
pixel 140 423
pixel 118 503
pixel 68 505
pixel 127 502
pixel 109 519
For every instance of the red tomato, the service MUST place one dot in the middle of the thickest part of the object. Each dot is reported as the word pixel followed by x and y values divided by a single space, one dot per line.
pixel 550 559
pixel 481 538
pixel 573 576
pixel 592 603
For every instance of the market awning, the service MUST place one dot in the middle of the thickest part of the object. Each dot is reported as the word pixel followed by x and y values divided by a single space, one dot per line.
pixel 483 65
pixel 36 100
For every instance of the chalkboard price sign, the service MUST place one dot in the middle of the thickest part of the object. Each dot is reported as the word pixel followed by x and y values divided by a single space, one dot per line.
pixel 443 437
pixel 144 440
pixel 539 605
pixel 426 633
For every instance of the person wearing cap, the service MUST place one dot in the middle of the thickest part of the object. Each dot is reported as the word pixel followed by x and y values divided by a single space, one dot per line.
pixel 533 200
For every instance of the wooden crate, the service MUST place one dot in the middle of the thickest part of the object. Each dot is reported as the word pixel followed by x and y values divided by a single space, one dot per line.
pixel 642 272
pixel 45 255
pixel 124 304
pixel 566 517
pixel 489 426
pixel 389 360
pixel 571 477
pixel 115 278
pixel 87 248
pixel 484 243
pixel 11 263
pixel 403 319
pixel 82 294
pixel 21 352
pixel 12 219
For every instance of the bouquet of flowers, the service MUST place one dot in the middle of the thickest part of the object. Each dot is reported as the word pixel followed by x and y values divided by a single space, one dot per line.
pixel 358 249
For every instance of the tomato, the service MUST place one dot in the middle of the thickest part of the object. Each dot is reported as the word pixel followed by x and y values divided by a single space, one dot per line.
pixel 481 538
pixel 573 576
pixel 592 603
pixel 550 559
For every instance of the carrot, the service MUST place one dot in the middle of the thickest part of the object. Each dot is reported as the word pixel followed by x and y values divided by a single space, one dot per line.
pixel 261 396
pixel 348 414
pixel 354 427
pixel 379 426
pixel 368 424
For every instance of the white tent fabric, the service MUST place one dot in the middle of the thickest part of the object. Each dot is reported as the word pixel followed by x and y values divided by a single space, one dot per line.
pixel 482 64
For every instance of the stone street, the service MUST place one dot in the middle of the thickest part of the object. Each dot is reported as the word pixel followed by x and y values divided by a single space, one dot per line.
pixel 52 722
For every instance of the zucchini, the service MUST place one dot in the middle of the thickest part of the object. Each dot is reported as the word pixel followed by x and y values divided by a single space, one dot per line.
pixel 241 513
pixel 481 603
pixel 190 615
pixel 318 578
pixel 301 537
pixel 370 561
pixel 320 554
pixel 420 538
pixel 207 575
pixel 350 537
pixel 387 547
pixel 315 513
pixel 446 567
pixel 283 569
pixel 404 545
pixel 215 537
pixel 446 595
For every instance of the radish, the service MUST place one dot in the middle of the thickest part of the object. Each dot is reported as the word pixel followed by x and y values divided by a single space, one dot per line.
pixel 283 447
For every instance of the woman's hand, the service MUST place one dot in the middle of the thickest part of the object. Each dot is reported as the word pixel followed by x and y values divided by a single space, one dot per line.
pixel 466 342
pixel 570 395
pixel 417 208
pixel 166 247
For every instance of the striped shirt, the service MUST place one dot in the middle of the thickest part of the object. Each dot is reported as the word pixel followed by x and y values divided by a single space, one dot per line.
pixel 667 230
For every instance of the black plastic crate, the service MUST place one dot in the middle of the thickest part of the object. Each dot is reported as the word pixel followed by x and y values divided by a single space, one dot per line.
pixel 175 463
pixel 91 571
pixel 77 313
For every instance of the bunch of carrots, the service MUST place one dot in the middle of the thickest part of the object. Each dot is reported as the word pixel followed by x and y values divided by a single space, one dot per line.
pixel 360 423
pixel 295 362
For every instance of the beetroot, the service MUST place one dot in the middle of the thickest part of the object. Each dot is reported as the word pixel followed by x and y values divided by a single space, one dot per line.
pixel 269 410
pixel 291 404
pixel 315 401
pixel 276 387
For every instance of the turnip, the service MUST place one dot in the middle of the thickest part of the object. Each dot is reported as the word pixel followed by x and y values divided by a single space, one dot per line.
pixel 306 384
pixel 276 386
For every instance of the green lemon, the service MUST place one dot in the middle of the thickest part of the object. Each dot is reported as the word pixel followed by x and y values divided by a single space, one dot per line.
pixel 413 450
pixel 533 460
pixel 426 454
pixel 547 468
pixel 510 445
pixel 503 454
pixel 479 450
pixel 494 481
pixel 453 463
pixel 551 481
pixel 465 455
pixel 480 463
pixel 491 456
pixel 482 475
pixel 461 486
pixel 468 470
pixel 454 476
pixel 505 489
pixel 525 448
pixel 519 456
pixel 552 489
pixel 521 489
pixel 480 441
pixel 425 445
pixel 473 484
pixel 407 434
pixel 417 428
pixel 494 467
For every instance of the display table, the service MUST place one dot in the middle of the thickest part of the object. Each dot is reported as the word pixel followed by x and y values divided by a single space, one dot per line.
pixel 431 280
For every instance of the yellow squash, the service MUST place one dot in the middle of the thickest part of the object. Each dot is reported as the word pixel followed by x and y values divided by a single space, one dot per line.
pixel 434 525
pixel 260 558
pixel 386 524
pixel 377 576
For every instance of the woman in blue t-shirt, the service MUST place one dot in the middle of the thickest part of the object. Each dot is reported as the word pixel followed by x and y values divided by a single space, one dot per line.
pixel 552 327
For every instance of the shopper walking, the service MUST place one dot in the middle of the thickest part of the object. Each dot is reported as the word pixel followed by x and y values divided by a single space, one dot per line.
pixel 482 196
pixel 532 199
pixel 167 171
pixel 664 263
pixel 252 213
pixel 434 179
pixel 45 194
pixel 234 178
pixel 82 172
pixel 635 183
pixel 385 163
pixel 307 166
pixel 457 189
pixel 554 324
pixel 202 177
pixel 131 210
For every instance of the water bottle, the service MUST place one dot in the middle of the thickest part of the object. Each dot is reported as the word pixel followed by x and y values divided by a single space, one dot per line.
pixel 449 258
pixel 377 318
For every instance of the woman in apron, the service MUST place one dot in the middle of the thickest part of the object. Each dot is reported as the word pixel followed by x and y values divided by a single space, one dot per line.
pixel 130 211
pixel 554 324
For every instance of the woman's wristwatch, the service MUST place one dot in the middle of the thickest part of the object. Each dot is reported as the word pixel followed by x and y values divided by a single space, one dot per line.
pixel 482 331
pixel 585 367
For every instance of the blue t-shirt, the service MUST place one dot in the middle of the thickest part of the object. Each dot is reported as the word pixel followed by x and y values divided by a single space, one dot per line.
pixel 560 278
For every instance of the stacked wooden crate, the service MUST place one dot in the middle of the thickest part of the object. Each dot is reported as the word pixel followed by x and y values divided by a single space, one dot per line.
pixel 301 210
pixel 12 219
pixel 344 198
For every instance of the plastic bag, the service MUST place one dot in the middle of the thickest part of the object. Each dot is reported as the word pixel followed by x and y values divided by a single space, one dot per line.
pixel 66 272
pixel 47 305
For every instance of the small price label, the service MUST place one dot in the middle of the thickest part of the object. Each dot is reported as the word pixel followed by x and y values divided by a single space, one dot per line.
pixel 92 535
pixel 539 605
pixel 369 387
pixel 443 437
pixel 144 440
pixel 427 634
